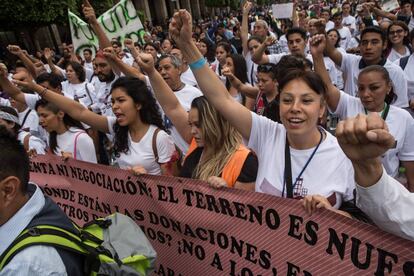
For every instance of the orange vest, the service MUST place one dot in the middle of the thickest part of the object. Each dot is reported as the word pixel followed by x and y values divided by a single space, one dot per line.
pixel 232 169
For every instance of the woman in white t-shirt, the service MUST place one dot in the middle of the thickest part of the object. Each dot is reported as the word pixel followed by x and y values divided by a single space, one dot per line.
pixel 76 86
pixel 318 165
pixel 375 91
pixel 9 119
pixel 398 41
pixel 137 117
pixel 67 137
pixel 223 50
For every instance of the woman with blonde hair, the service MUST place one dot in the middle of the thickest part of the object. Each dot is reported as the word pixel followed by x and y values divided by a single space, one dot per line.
pixel 216 153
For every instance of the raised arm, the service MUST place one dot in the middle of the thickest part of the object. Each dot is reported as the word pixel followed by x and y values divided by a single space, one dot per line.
pixel 119 66
pixel 165 96
pixel 49 59
pixel 12 90
pixel 245 26
pixel 73 108
pixel 89 14
pixel 246 89
pixel 209 83
pixel 15 50
pixel 318 43
pixel 333 53
pixel 259 56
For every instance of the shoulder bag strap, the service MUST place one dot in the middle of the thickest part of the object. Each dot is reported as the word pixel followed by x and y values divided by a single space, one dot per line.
pixel 76 142
pixel 154 144
pixel 25 117
pixel 288 171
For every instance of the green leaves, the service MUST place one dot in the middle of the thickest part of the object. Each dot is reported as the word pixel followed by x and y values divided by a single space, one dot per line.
pixel 34 13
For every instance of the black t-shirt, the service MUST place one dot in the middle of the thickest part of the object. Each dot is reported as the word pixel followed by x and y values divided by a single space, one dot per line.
pixel 248 173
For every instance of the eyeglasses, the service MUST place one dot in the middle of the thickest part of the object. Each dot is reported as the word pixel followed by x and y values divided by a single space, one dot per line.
pixel 400 31
pixel 265 68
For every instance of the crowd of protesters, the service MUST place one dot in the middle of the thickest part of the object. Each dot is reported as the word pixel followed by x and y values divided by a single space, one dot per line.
pixel 318 107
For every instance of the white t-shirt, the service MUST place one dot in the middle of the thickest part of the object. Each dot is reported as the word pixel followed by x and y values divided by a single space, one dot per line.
pixel 188 77
pixel 350 68
pixel 185 96
pixel 103 102
pixel 329 171
pixel 88 65
pixel 251 69
pixel 34 142
pixel 349 21
pixel 400 124
pixel 346 36
pixel 409 73
pixel 141 153
pixel 329 25
pixel 85 92
pixel 75 138
pixel 31 120
pixel 394 55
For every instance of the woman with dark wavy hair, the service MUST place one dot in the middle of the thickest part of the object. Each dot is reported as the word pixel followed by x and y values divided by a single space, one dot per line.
pixel 139 140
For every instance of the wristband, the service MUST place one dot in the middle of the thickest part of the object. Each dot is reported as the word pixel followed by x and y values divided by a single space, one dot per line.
pixel 197 64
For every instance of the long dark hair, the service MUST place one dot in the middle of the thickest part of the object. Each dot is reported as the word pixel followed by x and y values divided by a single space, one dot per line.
pixel 240 69
pixel 211 50
pixel 67 120
pixel 149 112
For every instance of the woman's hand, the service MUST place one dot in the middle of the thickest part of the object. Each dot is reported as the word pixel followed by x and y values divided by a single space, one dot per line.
pixel 137 170
pixel 66 155
pixel 216 182
pixel 311 203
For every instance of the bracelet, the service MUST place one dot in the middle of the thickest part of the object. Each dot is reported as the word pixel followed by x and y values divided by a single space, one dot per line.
pixel 197 64
pixel 42 93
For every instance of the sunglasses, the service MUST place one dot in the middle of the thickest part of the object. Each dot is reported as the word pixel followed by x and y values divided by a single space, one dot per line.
pixel 265 68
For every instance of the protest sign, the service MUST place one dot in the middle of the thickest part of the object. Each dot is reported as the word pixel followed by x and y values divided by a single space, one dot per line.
pixel 390 5
pixel 197 230
pixel 120 22
pixel 281 11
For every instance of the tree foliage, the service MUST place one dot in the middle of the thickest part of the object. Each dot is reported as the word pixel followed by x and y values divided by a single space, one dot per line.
pixel 36 13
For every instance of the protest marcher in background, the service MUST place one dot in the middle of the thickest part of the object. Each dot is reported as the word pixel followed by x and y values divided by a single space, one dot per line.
pixel 398 41
pixel 166 46
pixel 372 45
pixel 364 139
pixel 23 205
pixel 407 65
pixel 9 119
pixel 137 117
pixel 302 105
pixel 223 50
pixel 209 52
pixel 375 91
pixel 216 152
pixel 187 75
pixel 347 19
pixel 76 86
pixel 345 33
pixel 87 57
pixel 151 48
pixel 67 137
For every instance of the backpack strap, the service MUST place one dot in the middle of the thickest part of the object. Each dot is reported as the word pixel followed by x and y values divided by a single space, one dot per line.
pixel 45 235
pixel 88 92
pixel 76 142
pixel 25 117
pixel 154 144
pixel 404 61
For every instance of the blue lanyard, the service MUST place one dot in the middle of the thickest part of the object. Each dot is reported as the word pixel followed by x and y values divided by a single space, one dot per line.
pixel 288 169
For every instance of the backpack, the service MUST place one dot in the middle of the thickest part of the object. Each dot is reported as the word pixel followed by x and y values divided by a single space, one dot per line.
pixel 114 245
pixel 403 62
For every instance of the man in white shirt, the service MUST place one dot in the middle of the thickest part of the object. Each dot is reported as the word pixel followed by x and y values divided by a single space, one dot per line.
pixel 344 32
pixel 325 14
pixel 372 45
pixel 382 198
pixel 169 68
pixel 347 19
pixel 187 75
pixel 87 56
pixel 23 206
